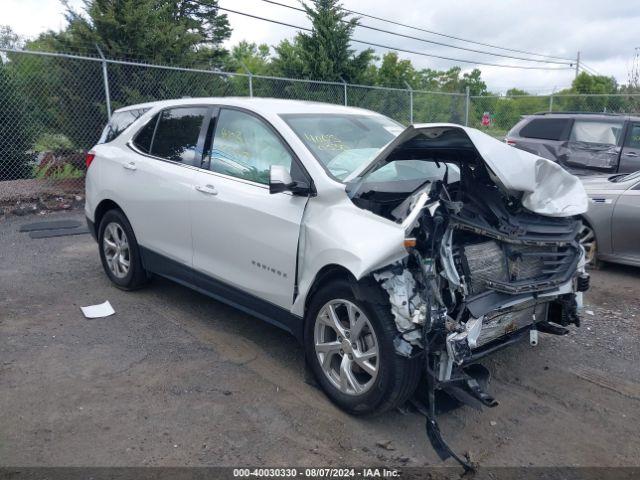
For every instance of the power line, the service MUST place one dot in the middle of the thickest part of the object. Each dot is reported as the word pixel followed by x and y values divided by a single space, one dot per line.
pixel 589 69
pixel 382 30
pixel 379 45
pixel 354 12
pixel 584 68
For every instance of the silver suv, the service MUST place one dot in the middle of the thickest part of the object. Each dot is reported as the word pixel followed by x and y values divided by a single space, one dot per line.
pixel 583 143
pixel 391 254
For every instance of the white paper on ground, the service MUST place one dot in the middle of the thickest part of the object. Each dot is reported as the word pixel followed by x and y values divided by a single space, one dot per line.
pixel 98 311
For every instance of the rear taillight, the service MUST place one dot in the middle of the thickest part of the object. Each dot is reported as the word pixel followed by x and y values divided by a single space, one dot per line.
pixel 508 141
pixel 89 158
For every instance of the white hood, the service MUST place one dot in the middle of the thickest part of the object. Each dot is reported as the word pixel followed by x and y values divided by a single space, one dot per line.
pixel 547 188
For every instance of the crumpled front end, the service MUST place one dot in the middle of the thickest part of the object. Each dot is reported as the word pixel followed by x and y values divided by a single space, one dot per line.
pixel 481 275
pixel 492 252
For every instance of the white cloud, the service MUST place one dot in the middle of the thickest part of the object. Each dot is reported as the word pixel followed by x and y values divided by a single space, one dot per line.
pixel 604 32
pixel 30 17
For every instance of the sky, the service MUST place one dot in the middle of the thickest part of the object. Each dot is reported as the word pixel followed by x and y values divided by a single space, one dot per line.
pixel 604 32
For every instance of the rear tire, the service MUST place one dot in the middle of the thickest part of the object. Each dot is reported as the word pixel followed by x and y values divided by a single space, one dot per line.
pixel 371 387
pixel 119 251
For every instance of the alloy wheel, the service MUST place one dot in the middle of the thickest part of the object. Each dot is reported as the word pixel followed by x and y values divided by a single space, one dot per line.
pixel 346 347
pixel 587 239
pixel 117 253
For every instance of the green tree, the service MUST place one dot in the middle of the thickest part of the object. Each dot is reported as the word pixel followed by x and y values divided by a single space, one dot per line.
pixel 250 55
pixel 8 38
pixel 16 128
pixel 288 61
pixel 188 32
pixel 394 72
pixel 578 97
pixel 162 31
pixel 452 81
pixel 514 92
pixel 474 81
pixel 586 83
pixel 325 53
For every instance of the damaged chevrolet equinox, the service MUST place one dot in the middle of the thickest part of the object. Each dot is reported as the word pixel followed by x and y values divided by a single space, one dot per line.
pixel 395 255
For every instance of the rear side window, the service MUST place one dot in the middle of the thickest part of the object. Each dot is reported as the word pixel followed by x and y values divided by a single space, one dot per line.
pixel 144 137
pixel 119 122
pixel 546 128
pixel 177 133
pixel 633 137
pixel 602 133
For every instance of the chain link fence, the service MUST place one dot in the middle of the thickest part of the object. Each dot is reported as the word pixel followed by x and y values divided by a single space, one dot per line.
pixel 54 106
pixel 496 115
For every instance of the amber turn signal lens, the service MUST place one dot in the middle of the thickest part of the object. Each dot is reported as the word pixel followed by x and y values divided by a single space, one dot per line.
pixel 409 242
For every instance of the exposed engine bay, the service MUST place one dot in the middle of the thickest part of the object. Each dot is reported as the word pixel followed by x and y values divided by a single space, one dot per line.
pixel 482 271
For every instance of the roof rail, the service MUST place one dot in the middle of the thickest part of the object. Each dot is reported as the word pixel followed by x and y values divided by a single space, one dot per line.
pixel 610 114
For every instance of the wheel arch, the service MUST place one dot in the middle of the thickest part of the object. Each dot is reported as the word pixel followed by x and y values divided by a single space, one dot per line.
pixel 365 289
pixel 326 274
pixel 103 207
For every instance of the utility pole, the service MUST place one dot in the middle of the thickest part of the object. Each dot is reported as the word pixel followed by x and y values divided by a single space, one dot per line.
pixel 578 64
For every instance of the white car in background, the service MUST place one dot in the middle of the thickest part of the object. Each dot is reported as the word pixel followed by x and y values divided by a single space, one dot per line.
pixel 391 253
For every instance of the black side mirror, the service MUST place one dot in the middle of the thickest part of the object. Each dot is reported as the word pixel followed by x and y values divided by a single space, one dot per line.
pixel 280 181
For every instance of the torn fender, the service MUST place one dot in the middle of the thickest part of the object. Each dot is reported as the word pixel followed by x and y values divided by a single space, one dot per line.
pixel 341 234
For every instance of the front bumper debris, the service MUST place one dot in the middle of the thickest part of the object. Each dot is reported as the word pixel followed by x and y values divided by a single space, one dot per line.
pixel 472 286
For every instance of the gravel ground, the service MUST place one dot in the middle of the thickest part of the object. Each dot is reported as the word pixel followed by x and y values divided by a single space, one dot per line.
pixel 33 188
pixel 175 379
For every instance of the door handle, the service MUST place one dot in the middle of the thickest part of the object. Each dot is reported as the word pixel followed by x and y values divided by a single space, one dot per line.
pixel 631 154
pixel 207 189
pixel 129 166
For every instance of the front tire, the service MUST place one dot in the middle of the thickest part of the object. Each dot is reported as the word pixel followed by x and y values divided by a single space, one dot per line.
pixel 349 346
pixel 119 251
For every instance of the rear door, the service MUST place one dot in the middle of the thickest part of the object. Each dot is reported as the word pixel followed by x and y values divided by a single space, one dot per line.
pixel 630 157
pixel 158 178
pixel 243 236
pixel 594 145
pixel 543 136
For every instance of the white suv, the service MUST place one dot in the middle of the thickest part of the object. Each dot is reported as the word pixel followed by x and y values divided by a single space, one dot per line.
pixel 389 252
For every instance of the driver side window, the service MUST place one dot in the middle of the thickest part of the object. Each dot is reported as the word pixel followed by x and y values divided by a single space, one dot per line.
pixel 633 137
pixel 245 147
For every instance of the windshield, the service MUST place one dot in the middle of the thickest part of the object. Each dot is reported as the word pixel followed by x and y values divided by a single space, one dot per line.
pixel 342 143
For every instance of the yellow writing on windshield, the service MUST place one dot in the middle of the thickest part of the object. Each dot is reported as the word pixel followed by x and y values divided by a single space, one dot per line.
pixel 326 142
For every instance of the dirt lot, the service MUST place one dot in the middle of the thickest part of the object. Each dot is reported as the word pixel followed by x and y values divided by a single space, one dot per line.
pixel 175 378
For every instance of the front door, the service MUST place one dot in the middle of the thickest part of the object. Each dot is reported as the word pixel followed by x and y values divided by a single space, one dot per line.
pixel 243 236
